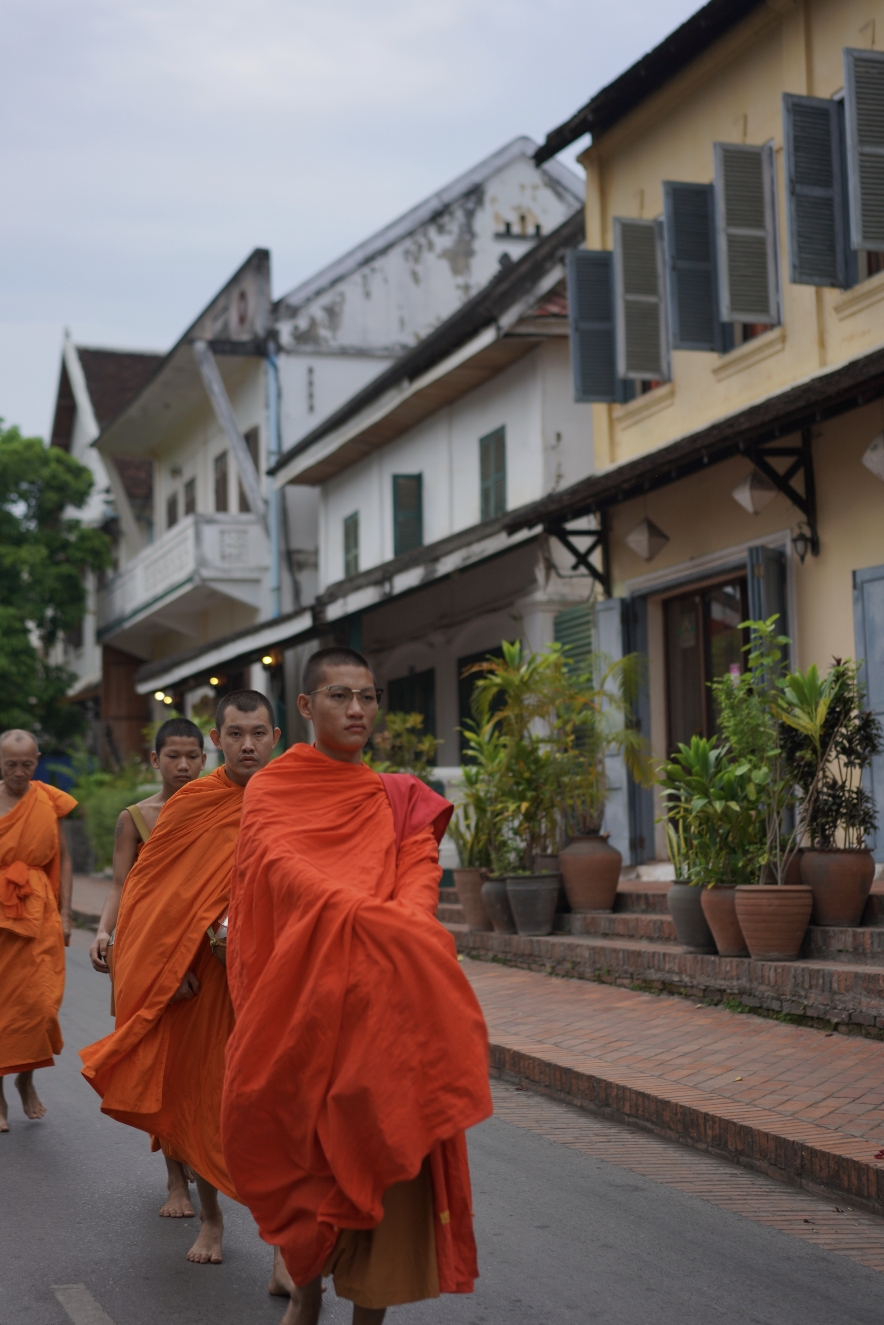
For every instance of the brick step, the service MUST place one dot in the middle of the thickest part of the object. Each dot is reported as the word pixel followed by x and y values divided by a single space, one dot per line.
pixel 450 913
pixel 621 924
pixel 820 991
pixel 642 898
pixel 863 945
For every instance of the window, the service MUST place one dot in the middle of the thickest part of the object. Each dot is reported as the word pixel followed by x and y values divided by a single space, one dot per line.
pixel 311 390
pixel 172 510
pixel 642 324
pixel 415 693
pixel 190 496
pixel 351 544
pixel 408 513
pixel 492 473
pixel 221 481
pixel 703 641
pixel 251 441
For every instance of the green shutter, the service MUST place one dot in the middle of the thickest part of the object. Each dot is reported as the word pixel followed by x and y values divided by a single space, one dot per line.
pixel 408 514
pixel 351 544
pixel 573 630
pixel 492 471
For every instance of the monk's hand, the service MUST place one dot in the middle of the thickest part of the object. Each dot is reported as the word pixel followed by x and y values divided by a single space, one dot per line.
pixel 188 988
pixel 98 952
pixel 66 925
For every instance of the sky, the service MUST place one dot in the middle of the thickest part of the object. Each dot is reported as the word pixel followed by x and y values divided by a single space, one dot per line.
pixel 147 146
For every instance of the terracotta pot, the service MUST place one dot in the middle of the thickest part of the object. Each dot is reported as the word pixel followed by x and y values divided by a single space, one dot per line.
pixel 793 873
pixel 591 871
pixel 532 898
pixel 719 908
pixel 686 908
pixel 841 880
pixel 497 906
pixel 774 920
pixel 469 893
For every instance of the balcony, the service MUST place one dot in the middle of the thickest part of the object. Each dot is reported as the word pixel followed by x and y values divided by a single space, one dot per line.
pixel 205 562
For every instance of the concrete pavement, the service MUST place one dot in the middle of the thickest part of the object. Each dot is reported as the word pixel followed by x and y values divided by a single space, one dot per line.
pixel 564 1235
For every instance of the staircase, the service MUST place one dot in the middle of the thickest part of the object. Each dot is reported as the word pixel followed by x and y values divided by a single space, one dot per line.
pixel 837 982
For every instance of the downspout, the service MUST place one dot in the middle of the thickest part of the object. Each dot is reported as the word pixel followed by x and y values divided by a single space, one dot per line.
pixel 273 496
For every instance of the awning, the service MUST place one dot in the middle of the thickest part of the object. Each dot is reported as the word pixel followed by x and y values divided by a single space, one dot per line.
pixel 242 647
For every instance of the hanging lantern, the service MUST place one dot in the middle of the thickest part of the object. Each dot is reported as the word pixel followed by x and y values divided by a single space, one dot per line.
pixel 754 492
pixel 874 456
pixel 647 540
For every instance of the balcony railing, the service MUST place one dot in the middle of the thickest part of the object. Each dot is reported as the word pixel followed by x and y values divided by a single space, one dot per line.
pixel 228 552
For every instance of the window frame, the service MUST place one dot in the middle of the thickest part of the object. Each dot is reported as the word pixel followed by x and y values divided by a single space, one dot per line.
pixel 496 481
pixel 399 516
pixel 351 553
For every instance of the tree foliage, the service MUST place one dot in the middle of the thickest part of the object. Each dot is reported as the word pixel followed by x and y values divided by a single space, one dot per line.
pixel 44 555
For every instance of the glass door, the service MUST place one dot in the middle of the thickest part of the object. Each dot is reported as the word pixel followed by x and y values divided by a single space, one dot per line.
pixel 703 641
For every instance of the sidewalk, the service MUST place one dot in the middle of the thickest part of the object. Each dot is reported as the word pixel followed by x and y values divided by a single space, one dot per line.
pixel 789 1101
pixel 90 891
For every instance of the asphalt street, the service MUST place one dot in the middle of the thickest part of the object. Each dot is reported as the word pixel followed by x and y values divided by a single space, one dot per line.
pixel 563 1237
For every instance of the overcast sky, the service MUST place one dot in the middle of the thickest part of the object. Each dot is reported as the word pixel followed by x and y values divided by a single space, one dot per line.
pixel 147 146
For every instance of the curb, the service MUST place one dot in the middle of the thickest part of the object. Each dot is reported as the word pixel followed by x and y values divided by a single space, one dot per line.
pixel 804 1155
pixel 85 919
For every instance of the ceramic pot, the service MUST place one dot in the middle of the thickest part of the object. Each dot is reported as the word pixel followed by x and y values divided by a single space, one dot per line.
pixel 532 898
pixel 686 908
pixel 841 881
pixel 793 873
pixel 469 893
pixel 774 920
pixel 719 908
pixel 591 871
pixel 497 906
pixel 550 865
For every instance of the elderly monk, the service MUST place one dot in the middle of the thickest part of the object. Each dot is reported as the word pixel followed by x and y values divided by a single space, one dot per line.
pixel 162 1068
pixel 35 918
pixel 359 1055
pixel 178 756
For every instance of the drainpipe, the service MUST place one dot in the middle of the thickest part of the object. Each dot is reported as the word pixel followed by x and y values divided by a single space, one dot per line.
pixel 273 496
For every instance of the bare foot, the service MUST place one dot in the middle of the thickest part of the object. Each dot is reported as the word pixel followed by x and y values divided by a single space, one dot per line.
pixel 281 1282
pixel 31 1102
pixel 207 1248
pixel 4 1122
pixel 305 1304
pixel 178 1205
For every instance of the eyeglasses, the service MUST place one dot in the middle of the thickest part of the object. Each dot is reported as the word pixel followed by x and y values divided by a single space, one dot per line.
pixel 341 695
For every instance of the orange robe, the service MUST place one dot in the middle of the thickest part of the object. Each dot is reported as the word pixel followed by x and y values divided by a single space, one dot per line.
pixel 31 940
pixel 162 1068
pixel 359 1049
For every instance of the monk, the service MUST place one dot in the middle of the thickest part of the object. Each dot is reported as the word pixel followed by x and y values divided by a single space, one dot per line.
pixel 35 918
pixel 179 758
pixel 359 1055
pixel 162 1068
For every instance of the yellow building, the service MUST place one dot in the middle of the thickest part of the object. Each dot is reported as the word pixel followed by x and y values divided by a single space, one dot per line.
pixel 727 321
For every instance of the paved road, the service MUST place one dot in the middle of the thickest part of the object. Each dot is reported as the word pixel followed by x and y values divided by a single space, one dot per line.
pixel 563 1237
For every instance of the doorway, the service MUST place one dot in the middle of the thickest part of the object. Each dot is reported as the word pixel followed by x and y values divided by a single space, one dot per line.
pixel 703 641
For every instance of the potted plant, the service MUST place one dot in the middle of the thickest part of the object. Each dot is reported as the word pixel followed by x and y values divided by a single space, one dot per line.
pixel 469 829
pixel 827 760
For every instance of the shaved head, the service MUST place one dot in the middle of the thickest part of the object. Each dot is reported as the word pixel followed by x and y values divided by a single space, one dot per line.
pixel 17 738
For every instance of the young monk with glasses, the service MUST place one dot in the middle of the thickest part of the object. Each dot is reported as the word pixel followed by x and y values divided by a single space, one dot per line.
pixel 359 1055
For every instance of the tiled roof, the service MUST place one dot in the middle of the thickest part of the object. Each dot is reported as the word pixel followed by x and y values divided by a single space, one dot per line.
pixel 114 377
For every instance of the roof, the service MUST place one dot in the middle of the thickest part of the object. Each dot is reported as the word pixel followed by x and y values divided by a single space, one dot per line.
pixel 513 283
pixel 114 377
pixel 419 215
pixel 649 74
pixel 823 395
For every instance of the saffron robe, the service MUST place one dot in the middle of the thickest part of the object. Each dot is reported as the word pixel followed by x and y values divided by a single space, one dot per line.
pixel 32 966
pixel 359 1048
pixel 162 1068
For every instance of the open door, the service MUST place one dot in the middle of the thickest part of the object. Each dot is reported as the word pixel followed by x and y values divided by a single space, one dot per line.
pixel 621 626
pixel 868 621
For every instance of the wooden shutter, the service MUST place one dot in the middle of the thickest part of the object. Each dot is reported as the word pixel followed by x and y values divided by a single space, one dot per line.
pixel 351 544
pixel 689 224
pixel 864 113
pixel 408 517
pixel 642 332
pixel 492 473
pixel 868 617
pixel 591 315
pixel 745 211
pixel 815 203
pixel 766 586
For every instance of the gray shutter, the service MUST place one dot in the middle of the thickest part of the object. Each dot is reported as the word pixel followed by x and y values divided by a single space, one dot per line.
pixel 767 586
pixel 641 799
pixel 689 217
pixel 868 620
pixel 864 111
pixel 642 324
pixel 591 315
pixel 609 641
pixel 572 628
pixel 745 207
pixel 815 202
